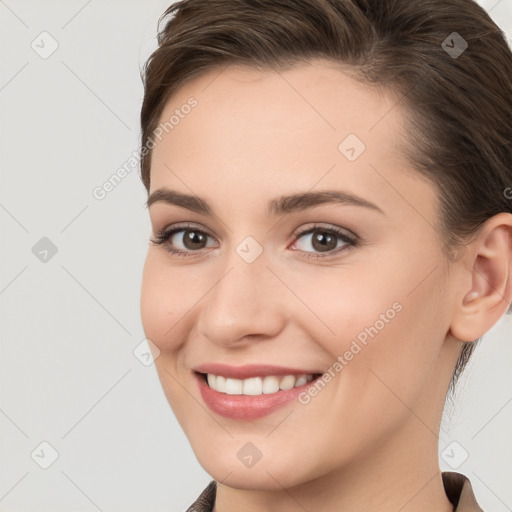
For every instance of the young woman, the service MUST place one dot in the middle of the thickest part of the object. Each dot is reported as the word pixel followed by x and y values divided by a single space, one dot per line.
pixel 329 187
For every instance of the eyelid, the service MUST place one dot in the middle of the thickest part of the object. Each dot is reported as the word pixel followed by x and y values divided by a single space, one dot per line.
pixel 323 225
pixel 179 226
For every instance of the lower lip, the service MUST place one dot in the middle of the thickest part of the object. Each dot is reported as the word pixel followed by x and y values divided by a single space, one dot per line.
pixel 247 407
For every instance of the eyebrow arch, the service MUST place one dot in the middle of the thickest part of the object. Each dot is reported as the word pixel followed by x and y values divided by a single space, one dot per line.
pixel 279 206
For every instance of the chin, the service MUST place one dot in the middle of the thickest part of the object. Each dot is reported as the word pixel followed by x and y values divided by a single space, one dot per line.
pixel 270 473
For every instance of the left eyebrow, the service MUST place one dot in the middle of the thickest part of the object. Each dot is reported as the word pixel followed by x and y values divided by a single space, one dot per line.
pixel 278 206
pixel 305 200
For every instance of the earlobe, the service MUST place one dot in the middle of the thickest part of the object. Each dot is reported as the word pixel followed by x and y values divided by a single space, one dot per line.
pixel 489 262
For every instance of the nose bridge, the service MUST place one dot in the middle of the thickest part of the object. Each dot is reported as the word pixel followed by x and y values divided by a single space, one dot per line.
pixel 242 300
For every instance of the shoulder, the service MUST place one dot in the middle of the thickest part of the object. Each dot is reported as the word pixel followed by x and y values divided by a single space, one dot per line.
pixel 460 492
pixel 206 500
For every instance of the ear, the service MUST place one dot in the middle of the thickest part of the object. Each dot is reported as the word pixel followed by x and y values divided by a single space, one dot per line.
pixel 486 292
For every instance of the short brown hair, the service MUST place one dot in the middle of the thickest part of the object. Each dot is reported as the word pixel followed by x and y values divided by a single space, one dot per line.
pixel 459 98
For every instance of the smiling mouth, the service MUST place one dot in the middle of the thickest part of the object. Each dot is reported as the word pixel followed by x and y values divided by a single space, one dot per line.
pixel 254 386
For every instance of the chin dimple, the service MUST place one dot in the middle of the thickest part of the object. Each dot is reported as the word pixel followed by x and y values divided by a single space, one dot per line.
pixel 256 385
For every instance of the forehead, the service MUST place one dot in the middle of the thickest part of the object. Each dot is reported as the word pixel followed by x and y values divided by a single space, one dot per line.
pixel 318 97
pixel 311 125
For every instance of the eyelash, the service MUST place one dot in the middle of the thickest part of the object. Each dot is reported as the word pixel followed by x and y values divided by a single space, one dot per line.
pixel 164 235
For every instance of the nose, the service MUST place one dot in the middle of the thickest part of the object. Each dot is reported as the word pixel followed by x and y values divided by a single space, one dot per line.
pixel 245 304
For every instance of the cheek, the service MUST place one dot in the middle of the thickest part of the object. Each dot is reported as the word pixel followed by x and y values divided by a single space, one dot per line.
pixel 346 304
pixel 386 318
pixel 166 297
pixel 164 304
pixel 388 339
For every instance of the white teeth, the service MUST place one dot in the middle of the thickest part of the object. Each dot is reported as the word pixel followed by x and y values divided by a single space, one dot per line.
pixel 270 385
pixel 253 386
pixel 256 385
pixel 234 386
pixel 287 382
pixel 220 383
pixel 301 381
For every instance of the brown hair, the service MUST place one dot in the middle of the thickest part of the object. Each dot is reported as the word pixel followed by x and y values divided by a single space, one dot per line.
pixel 460 98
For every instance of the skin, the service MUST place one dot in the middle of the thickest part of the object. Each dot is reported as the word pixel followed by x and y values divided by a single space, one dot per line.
pixel 369 440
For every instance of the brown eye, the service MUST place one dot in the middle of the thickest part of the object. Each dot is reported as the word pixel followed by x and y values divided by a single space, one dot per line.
pixel 194 240
pixel 182 240
pixel 324 241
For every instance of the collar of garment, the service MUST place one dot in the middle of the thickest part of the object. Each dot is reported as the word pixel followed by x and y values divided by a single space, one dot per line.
pixel 456 485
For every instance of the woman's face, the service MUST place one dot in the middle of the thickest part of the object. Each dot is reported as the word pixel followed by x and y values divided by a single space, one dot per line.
pixel 269 285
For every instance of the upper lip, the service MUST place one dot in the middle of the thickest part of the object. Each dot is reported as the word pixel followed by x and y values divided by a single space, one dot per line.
pixel 250 370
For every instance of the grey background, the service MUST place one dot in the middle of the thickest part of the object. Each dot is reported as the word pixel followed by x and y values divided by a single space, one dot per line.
pixel 71 320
